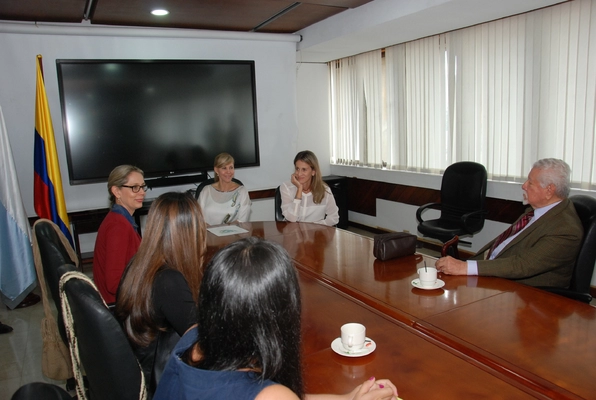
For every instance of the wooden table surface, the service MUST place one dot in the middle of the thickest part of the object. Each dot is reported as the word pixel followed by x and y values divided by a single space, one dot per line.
pixel 420 368
pixel 506 333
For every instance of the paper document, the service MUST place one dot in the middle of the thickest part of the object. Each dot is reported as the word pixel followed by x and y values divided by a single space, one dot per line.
pixel 226 230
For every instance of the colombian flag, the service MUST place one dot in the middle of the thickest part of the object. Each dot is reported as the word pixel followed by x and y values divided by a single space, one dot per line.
pixel 47 187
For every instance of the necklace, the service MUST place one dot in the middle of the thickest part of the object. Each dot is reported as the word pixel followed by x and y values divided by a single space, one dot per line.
pixel 219 187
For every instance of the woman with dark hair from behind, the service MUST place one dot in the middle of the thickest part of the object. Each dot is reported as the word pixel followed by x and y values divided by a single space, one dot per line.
pixel 249 343
pixel 158 294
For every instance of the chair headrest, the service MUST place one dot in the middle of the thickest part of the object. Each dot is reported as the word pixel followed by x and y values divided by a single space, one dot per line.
pixel 585 206
pixel 50 246
pixel 105 353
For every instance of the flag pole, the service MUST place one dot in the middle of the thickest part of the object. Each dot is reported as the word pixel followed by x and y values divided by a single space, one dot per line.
pixel 48 194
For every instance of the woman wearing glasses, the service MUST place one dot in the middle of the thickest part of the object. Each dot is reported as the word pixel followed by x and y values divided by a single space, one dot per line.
pixel 118 238
pixel 225 200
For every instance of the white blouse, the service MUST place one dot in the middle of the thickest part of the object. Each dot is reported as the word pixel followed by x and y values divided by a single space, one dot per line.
pixel 305 209
pixel 224 207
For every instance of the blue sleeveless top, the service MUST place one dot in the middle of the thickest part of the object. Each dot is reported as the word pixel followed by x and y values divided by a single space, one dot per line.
pixel 182 381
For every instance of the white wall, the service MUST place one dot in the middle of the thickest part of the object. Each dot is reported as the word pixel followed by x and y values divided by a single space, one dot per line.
pixel 274 57
pixel 312 91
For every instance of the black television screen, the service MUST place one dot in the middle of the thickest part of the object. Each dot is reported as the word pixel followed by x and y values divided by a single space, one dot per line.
pixel 167 117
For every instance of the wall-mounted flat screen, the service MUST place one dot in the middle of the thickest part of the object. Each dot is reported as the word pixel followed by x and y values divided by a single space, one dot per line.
pixel 167 117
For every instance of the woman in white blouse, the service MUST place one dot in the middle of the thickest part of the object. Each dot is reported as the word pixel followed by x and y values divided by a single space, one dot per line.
pixel 306 198
pixel 224 201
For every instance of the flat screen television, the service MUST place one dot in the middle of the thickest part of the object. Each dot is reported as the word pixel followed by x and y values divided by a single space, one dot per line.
pixel 168 117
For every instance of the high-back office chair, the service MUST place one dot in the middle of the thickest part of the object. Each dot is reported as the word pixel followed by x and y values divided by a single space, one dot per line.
pixel 101 345
pixel 210 181
pixel 55 257
pixel 463 194
pixel 579 289
pixel 277 204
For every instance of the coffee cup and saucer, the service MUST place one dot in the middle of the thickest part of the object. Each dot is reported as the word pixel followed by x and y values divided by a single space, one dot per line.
pixel 353 341
pixel 427 279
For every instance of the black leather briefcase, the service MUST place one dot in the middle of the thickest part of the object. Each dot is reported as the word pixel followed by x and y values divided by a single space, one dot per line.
pixel 393 245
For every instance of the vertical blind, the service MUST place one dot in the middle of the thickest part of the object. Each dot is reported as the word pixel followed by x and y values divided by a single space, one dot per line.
pixel 504 93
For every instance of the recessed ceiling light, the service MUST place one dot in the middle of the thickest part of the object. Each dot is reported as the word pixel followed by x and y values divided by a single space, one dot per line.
pixel 160 12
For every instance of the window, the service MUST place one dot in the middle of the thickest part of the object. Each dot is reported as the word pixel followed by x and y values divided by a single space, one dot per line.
pixel 504 93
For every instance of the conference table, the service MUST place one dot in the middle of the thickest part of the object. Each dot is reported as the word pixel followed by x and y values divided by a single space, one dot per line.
pixel 476 337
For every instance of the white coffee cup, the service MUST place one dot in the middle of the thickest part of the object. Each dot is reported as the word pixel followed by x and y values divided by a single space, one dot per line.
pixel 353 336
pixel 428 276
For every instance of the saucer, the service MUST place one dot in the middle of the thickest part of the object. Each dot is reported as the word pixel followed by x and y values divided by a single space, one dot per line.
pixel 369 347
pixel 438 284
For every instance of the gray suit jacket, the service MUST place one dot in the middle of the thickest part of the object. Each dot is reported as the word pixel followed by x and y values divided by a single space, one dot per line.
pixel 541 255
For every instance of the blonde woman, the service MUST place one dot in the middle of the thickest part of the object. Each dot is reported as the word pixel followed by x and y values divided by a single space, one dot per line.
pixel 118 238
pixel 225 200
pixel 306 198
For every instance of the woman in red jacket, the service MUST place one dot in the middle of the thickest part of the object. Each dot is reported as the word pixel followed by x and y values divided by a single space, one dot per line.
pixel 118 238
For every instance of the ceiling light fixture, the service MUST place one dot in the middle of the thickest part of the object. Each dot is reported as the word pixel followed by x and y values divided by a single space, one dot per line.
pixel 160 12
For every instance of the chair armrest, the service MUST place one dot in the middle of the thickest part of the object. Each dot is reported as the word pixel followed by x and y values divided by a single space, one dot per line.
pixel 570 294
pixel 434 206
pixel 450 248
pixel 465 217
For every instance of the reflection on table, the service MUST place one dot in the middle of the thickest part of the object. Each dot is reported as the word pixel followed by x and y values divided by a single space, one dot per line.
pixel 419 368
pixel 521 335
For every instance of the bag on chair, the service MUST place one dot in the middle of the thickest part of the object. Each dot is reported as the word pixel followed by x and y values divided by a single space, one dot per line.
pixel 55 357
pixel 394 245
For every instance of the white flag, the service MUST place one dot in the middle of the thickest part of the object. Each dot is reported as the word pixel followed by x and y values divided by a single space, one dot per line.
pixel 17 270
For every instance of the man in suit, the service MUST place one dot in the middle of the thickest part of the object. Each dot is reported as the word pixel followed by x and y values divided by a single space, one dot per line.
pixel 541 253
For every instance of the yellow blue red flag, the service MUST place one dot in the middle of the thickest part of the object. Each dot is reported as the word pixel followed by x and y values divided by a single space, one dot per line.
pixel 47 190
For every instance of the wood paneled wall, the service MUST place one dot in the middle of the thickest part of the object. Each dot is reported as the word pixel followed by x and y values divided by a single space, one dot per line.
pixel 364 193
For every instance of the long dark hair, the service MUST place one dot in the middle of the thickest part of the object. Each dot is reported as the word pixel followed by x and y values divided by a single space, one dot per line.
pixel 249 313
pixel 175 237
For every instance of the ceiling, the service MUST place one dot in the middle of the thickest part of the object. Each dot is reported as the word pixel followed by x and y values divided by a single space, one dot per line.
pixel 327 29
pixel 270 16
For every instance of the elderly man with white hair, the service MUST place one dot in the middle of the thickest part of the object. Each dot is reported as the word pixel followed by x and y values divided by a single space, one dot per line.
pixel 540 248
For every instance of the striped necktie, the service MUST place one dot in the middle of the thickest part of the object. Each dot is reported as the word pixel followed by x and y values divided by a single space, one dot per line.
pixel 512 230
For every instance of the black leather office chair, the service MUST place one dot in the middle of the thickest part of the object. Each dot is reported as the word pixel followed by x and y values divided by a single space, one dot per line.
pixel 40 390
pixel 277 204
pixel 210 181
pixel 463 194
pixel 103 349
pixel 579 289
pixel 55 259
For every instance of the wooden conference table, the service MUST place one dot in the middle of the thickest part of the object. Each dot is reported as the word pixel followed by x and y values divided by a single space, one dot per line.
pixel 477 337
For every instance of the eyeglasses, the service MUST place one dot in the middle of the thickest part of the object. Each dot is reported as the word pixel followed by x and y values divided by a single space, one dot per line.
pixel 137 188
